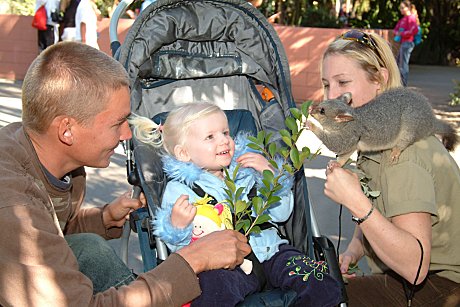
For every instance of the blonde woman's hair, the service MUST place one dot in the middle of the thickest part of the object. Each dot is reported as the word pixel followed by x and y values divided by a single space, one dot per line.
pixel 176 127
pixel 70 79
pixel 370 60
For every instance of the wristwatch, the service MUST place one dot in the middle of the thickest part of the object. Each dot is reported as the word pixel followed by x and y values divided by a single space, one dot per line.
pixel 358 221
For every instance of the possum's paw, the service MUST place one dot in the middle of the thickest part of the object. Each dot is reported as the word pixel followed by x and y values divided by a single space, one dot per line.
pixel 395 153
pixel 312 124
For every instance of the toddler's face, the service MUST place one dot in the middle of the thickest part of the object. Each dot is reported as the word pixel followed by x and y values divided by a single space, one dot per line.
pixel 209 144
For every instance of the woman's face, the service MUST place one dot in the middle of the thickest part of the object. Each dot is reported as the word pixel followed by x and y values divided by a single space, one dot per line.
pixel 404 9
pixel 340 75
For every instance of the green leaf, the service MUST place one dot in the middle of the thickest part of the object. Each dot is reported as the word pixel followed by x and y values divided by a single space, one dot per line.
pixel 239 192
pixel 268 137
pixel 257 204
pixel 287 140
pixel 240 206
pixel 230 184
pixel 288 168
pixel 284 152
pixel 276 188
pixel 284 132
pixel 260 137
pixel 296 113
pixel 291 124
pixel 242 224
pixel 264 191
pixel 305 107
pixel 255 146
pixel 263 218
pixel 273 199
pixel 235 171
pixel 267 183
pixel 272 149
pixel 294 155
pixel 255 229
pixel 252 139
pixel 268 175
pixel 273 163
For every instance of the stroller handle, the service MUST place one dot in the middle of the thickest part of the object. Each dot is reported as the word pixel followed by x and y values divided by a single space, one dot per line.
pixel 113 27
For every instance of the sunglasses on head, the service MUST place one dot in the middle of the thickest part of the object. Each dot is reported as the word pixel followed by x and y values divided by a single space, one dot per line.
pixel 362 38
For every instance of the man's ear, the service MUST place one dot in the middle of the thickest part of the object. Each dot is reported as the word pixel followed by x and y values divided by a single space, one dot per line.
pixel 181 153
pixel 65 130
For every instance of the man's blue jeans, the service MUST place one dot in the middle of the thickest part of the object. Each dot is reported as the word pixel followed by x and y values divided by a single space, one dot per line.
pixel 403 60
pixel 99 262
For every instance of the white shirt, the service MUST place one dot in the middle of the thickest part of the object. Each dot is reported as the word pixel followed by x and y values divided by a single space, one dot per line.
pixel 86 14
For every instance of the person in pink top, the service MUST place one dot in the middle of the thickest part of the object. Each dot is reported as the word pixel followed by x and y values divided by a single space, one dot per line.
pixel 406 29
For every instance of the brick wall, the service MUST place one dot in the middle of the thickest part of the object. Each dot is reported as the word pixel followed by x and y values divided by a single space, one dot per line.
pixel 304 46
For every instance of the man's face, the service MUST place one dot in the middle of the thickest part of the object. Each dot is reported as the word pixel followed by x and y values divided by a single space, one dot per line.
pixel 96 142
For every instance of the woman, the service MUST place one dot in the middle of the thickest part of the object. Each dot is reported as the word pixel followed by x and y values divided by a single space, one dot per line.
pixel 406 29
pixel 410 232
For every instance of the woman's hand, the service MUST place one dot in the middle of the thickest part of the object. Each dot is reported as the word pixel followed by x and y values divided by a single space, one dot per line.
pixel 183 212
pixel 254 160
pixel 343 187
pixel 347 261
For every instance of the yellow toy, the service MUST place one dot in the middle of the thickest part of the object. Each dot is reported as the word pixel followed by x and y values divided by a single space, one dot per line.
pixel 211 218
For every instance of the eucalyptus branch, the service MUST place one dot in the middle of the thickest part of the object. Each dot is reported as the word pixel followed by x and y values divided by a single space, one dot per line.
pixel 249 214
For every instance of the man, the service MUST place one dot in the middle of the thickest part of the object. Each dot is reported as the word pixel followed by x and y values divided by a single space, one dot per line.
pixel 75 104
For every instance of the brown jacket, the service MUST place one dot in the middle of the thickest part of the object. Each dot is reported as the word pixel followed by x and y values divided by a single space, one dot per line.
pixel 37 267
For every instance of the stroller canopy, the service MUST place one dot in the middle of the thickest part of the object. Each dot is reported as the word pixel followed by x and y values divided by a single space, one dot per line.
pixel 183 49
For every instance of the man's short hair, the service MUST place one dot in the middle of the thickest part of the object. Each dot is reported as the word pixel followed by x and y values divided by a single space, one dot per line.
pixel 70 79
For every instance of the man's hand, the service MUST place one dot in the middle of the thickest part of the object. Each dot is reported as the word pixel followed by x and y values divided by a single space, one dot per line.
pixel 117 212
pixel 183 212
pixel 218 250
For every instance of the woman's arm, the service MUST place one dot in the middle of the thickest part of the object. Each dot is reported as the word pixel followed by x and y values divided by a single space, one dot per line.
pixel 393 241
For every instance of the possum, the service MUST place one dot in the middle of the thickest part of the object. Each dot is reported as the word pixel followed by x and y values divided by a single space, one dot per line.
pixel 393 120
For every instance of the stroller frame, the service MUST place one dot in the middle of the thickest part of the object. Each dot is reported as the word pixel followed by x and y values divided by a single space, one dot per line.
pixel 152 249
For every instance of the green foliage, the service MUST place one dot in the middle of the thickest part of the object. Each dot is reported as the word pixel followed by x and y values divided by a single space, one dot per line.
pixel 319 17
pixel 292 161
pixel 455 96
pixel 363 180
pixel 19 7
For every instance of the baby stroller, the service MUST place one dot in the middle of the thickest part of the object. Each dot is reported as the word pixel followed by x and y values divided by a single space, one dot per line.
pixel 220 51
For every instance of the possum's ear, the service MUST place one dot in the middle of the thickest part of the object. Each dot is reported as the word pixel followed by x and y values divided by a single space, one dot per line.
pixel 344 117
pixel 346 98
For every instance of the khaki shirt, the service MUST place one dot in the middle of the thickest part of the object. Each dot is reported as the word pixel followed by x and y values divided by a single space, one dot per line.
pixel 425 179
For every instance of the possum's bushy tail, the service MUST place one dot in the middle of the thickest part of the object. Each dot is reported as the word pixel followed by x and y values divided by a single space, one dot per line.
pixel 447 133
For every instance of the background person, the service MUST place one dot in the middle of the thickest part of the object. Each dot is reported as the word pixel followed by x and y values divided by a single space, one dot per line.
pixel 75 103
pixel 68 29
pixel 86 19
pixel 51 35
pixel 418 208
pixel 406 28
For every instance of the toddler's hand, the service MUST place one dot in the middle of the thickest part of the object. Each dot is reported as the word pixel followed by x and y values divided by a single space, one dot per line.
pixel 183 212
pixel 254 160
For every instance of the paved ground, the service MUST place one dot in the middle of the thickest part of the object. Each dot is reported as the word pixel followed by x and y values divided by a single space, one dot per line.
pixel 105 184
